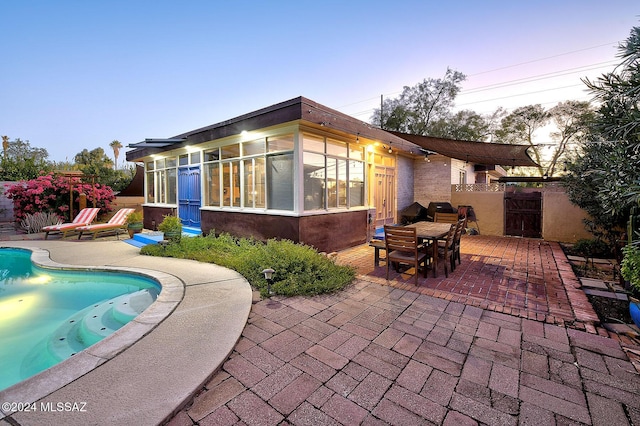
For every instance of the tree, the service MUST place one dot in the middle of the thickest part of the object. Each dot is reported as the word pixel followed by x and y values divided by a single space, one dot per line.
pixel 463 125
pixel 116 145
pixel 519 127
pixel 98 164
pixel 605 176
pixel 573 120
pixel 418 107
pixel 21 161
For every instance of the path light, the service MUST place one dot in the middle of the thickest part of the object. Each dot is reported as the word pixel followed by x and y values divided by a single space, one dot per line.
pixel 268 273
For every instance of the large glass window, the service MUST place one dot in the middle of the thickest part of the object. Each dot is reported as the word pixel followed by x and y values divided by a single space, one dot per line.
pixel 236 175
pixel 333 173
pixel 162 177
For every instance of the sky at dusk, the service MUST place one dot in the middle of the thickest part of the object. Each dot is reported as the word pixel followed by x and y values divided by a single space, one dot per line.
pixel 79 74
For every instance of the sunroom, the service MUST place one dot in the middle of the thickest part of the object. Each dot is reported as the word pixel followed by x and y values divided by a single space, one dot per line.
pixel 295 170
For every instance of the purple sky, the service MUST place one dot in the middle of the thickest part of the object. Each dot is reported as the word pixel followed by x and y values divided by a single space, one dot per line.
pixel 79 74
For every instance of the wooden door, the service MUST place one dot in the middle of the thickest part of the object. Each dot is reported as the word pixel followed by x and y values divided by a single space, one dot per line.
pixel 189 199
pixel 523 214
pixel 384 196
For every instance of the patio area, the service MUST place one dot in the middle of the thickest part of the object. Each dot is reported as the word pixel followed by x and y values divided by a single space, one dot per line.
pixel 499 342
pixel 530 278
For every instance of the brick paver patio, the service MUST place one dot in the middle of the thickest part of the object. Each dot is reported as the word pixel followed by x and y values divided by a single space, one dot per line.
pixel 500 341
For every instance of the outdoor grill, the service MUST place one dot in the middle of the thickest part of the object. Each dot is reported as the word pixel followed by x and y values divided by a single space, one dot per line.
pixel 441 207
pixel 413 213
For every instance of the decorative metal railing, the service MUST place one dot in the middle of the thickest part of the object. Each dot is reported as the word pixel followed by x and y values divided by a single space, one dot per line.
pixel 480 187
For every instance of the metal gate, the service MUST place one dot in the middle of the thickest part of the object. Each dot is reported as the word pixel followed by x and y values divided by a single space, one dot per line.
pixel 523 214
pixel 189 199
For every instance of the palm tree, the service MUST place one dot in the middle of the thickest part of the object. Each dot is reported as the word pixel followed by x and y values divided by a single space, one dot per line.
pixel 116 145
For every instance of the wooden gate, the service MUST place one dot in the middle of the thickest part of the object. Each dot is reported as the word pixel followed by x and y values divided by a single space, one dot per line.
pixel 523 214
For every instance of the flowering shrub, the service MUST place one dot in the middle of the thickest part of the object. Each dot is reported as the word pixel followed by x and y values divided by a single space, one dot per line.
pixel 50 194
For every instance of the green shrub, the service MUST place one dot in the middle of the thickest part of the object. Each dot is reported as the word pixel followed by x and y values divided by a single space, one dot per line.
pixel 630 267
pixel 299 269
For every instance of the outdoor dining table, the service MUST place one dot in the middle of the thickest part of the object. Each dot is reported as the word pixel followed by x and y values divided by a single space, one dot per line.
pixel 431 231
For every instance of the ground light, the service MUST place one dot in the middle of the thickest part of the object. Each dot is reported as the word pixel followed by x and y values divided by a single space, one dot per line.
pixel 268 274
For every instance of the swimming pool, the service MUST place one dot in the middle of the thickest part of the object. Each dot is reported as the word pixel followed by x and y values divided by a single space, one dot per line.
pixel 48 315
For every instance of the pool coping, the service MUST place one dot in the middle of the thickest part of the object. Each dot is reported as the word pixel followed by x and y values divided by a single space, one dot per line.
pixel 82 378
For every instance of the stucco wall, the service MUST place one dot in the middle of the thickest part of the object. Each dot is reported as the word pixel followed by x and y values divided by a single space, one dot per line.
pixel 561 220
pixel 488 207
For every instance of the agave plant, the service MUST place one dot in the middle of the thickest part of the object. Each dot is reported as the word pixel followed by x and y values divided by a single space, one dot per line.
pixel 33 223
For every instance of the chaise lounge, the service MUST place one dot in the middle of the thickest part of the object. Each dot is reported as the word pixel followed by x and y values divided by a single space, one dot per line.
pixel 84 218
pixel 117 223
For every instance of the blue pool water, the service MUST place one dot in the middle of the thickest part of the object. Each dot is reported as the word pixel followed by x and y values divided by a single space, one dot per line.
pixel 48 315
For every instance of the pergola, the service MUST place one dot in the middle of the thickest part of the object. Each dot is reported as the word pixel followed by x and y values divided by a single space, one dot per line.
pixel 70 175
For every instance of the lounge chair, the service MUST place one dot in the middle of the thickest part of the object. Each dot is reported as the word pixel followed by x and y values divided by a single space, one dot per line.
pixel 117 223
pixel 84 218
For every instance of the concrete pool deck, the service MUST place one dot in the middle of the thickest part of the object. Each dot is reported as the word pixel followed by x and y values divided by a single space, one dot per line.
pixel 142 373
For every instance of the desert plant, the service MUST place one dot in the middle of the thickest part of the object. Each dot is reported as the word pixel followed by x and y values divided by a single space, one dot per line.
pixel 134 217
pixel 33 223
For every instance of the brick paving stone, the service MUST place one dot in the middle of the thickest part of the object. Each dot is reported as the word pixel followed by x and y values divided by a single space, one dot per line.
pixel 565 373
pixel 244 371
pixel 307 332
pixel 590 360
pixel 505 380
pixel 307 415
pixel 321 326
pixel 370 390
pixel 327 356
pixel 267 325
pixel 417 404
pixel 353 346
pixel 381 367
pixel 387 355
pixel 356 371
pixel 531 415
pixel 407 345
pixel 335 339
pixel 254 411
pixel 496 352
pixel 262 359
pixel 596 344
pixel 223 416
pixel 481 412
pixel 294 394
pixel 394 414
pixel 439 387
pixel 550 387
pixel 358 330
pixel 255 334
pixel 293 349
pixel 618 367
pixel 444 364
pixel 455 418
pixel 389 337
pixel 276 381
pixel 273 343
pixel 344 411
pixel 605 412
pixel 212 399
pixel 414 376
pixel 342 384
pixel 180 419
pixel 313 367
pixel 475 391
pixel 535 363
pixel 476 370
pixel 488 331
pixel 320 396
pixel 571 410
pixel 439 335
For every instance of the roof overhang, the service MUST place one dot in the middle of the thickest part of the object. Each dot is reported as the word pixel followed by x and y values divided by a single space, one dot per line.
pixel 473 152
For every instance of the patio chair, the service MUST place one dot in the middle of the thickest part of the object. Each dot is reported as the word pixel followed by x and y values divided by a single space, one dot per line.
pixel 446 217
pixel 446 250
pixel 84 217
pixel 403 247
pixel 456 243
pixel 117 223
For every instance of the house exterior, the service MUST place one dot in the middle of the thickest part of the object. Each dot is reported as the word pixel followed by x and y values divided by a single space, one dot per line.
pixel 305 172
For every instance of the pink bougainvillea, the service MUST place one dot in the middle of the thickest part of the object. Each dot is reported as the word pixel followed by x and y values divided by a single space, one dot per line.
pixel 50 194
